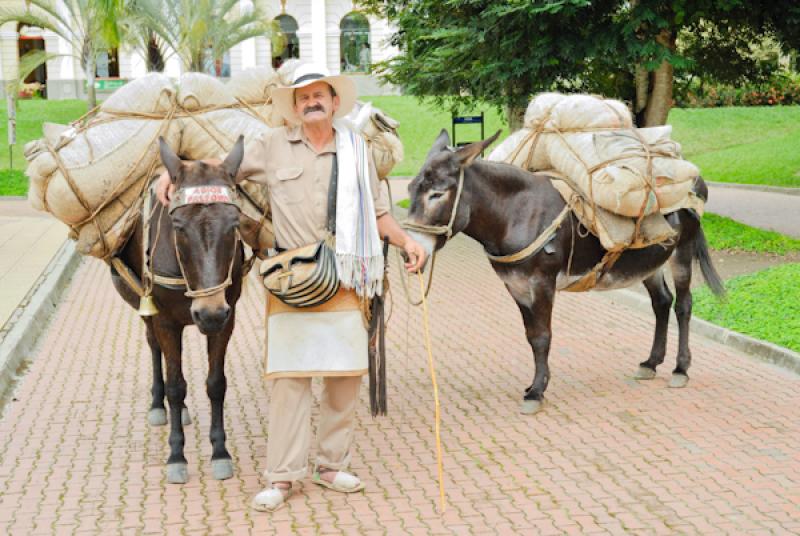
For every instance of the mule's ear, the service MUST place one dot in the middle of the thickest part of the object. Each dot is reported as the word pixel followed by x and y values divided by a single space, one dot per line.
pixel 234 158
pixel 169 158
pixel 441 143
pixel 469 153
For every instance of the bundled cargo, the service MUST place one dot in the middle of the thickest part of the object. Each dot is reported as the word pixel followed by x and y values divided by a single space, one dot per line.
pixel 618 179
pixel 593 143
pixel 92 175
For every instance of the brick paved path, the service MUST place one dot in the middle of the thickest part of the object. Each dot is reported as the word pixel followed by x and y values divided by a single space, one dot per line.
pixel 606 455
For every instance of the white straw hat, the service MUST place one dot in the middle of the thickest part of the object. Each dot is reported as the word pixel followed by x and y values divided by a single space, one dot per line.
pixel 304 75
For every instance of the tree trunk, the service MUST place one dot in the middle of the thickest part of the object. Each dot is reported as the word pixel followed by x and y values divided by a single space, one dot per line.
pixel 91 95
pixel 515 115
pixel 659 100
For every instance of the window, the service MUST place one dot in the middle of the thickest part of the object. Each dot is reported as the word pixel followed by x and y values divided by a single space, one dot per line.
pixel 285 44
pixel 354 46
pixel 30 39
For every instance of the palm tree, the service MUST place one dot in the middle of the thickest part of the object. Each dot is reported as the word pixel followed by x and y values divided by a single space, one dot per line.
pixel 89 26
pixel 200 31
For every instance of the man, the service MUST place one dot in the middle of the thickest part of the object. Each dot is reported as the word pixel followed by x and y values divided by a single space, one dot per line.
pixel 296 163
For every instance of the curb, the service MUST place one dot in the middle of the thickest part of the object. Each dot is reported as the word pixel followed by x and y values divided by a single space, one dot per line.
pixel 37 308
pixel 756 348
pixel 755 187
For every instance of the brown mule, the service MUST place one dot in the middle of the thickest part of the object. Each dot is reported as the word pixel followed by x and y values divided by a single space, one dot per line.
pixel 198 241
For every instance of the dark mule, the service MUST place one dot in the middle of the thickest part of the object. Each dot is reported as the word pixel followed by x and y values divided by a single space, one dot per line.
pixel 506 208
pixel 211 258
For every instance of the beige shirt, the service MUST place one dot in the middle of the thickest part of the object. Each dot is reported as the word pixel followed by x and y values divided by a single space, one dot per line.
pixel 298 177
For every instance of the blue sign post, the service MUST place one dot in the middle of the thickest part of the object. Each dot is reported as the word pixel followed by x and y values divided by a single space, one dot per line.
pixel 466 120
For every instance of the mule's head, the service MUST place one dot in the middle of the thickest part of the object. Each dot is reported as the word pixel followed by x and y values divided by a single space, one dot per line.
pixel 205 219
pixel 434 190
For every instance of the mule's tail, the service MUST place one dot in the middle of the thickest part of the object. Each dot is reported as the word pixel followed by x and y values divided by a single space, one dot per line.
pixel 706 266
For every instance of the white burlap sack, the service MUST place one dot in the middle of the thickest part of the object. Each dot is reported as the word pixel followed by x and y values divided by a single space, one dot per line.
pixel 152 93
pixel 524 150
pixel 103 161
pixel 254 87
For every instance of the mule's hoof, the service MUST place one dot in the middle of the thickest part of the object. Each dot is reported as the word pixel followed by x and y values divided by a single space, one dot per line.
pixel 678 381
pixel 186 419
pixel 157 417
pixel 529 407
pixel 177 473
pixel 222 469
pixel 644 373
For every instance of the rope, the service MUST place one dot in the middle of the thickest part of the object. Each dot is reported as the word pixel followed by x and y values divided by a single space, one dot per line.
pixel 437 414
pixel 537 243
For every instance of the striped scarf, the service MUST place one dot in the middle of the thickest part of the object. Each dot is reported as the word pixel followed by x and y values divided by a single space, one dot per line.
pixel 359 252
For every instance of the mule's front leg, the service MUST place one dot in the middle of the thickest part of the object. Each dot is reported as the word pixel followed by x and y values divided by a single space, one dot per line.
pixel 216 385
pixel 537 310
pixel 661 300
pixel 169 338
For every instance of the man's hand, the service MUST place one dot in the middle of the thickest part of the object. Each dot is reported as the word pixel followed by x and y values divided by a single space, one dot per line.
pixel 415 255
pixel 164 189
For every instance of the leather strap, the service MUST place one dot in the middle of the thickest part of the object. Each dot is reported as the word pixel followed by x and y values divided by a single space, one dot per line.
pixel 332 195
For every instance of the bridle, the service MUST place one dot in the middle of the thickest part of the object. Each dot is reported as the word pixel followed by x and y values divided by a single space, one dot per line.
pixel 435 230
pixel 193 195
pixel 439 230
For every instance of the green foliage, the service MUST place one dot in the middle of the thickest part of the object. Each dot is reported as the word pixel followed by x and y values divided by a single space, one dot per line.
pixel 202 30
pixel 404 203
pixel 764 305
pixel 781 88
pixel 462 51
pixel 728 234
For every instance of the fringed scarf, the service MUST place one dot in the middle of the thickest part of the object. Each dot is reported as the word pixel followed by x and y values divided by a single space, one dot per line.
pixel 359 255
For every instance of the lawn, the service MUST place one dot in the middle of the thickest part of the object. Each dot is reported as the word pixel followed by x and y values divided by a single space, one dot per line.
pixel 764 305
pixel 753 145
pixel 725 233
pixel 30 116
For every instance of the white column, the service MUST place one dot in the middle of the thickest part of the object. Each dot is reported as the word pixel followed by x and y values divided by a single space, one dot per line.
pixel 318 37
pixel 247 48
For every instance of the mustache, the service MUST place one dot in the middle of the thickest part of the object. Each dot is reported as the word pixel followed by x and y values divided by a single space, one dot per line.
pixel 315 108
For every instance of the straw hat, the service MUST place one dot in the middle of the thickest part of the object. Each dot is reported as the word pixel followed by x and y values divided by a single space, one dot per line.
pixel 307 74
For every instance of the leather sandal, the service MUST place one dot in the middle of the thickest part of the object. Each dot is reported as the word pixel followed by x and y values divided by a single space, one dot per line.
pixel 271 499
pixel 343 482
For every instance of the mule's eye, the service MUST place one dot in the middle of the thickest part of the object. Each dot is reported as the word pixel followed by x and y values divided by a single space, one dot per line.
pixel 433 196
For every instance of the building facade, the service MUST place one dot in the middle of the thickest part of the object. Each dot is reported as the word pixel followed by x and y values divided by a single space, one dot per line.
pixel 330 32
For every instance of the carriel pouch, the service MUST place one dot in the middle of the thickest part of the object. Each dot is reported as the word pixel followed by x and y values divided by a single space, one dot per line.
pixel 302 277
pixel 307 276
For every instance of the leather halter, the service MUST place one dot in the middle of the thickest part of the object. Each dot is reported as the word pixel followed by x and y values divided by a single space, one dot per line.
pixel 193 195
pixel 438 230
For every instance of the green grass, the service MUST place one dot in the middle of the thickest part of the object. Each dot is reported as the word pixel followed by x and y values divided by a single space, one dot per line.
pixel 405 203
pixel 751 145
pixel 421 123
pixel 13 182
pixel 30 116
pixel 764 305
pixel 728 234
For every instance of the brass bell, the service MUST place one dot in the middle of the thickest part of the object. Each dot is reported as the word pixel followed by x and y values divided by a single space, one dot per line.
pixel 147 306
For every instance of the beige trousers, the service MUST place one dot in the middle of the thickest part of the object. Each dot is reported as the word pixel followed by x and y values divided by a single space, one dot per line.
pixel 289 426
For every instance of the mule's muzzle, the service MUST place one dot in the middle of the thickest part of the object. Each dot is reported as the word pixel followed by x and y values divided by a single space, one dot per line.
pixel 210 314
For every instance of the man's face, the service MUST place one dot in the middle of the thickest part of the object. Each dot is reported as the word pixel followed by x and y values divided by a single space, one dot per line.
pixel 314 103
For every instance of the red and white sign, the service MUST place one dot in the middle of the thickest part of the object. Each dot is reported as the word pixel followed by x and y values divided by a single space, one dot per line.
pixel 207 194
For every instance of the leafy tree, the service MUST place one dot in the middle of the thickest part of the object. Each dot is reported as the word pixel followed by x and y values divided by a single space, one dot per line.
pixel 89 26
pixel 201 30
pixel 461 51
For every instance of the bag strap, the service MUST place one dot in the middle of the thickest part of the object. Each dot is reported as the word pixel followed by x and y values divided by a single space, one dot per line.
pixel 332 194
